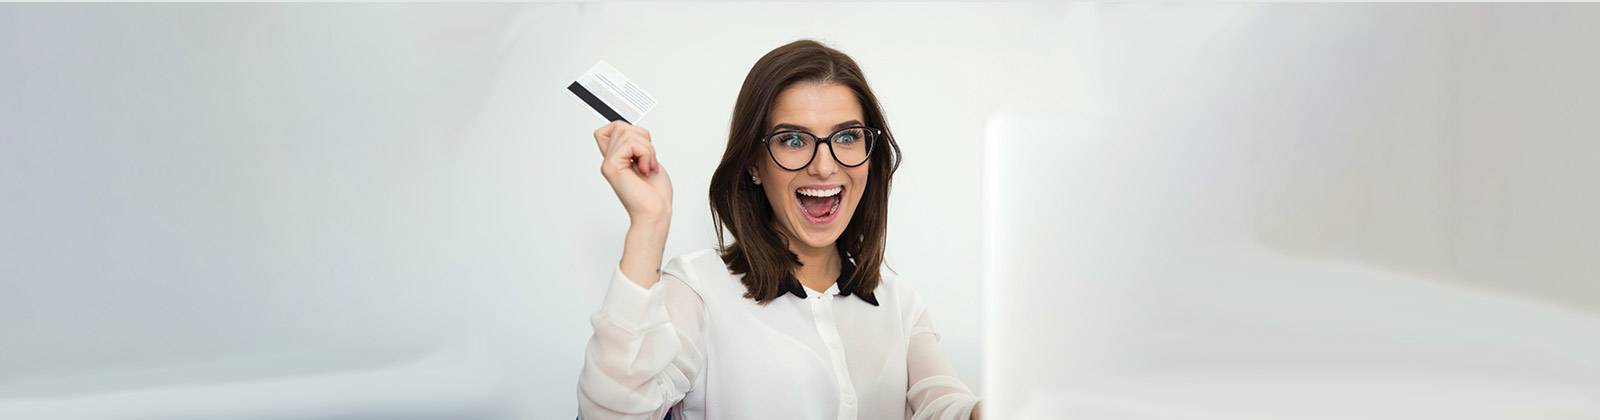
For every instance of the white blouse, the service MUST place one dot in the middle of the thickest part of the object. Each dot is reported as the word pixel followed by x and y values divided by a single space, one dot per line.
pixel 693 344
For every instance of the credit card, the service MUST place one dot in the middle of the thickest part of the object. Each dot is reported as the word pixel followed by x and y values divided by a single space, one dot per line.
pixel 610 95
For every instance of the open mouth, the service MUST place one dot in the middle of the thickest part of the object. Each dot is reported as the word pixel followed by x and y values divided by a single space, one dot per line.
pixel 820 204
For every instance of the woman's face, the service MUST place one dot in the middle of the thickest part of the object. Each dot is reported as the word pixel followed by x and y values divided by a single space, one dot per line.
pixel 814 204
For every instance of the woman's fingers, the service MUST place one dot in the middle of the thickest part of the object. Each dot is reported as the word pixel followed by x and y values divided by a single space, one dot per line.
pixel 606 137
pixel 619 129
pixel 609 132
pixel 631 151
pixel 625 144
pixel 603 135
pixel 639 152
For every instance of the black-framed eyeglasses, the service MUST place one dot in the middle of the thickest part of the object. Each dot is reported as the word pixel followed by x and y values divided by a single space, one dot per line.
pixel 793 150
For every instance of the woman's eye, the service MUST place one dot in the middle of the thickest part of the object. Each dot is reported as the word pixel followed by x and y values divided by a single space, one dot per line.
pixel 845 139
pixel 793 140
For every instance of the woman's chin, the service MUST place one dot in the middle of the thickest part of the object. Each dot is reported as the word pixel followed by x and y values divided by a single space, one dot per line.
pixel 820 242
pixel 817 236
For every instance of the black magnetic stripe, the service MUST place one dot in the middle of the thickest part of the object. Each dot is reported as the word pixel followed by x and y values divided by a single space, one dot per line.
pixel 589 98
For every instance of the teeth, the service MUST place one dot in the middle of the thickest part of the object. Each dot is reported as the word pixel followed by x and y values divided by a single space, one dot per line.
pixel 820 193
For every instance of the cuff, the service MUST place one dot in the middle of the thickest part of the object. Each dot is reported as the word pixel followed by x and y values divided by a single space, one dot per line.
pixel 633 307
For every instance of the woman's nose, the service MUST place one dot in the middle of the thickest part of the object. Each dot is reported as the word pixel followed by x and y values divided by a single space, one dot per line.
pixel 823 164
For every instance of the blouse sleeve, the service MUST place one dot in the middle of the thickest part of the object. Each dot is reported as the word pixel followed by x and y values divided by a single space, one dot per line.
pixel 647 347
pixel 935 392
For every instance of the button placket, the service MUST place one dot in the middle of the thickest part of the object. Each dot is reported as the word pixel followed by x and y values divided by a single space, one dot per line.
pixel 827 328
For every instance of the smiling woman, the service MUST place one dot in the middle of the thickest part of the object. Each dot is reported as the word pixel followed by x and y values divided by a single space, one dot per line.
pixel 821 95
pixel 803 191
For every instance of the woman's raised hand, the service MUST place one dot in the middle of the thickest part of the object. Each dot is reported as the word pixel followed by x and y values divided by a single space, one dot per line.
pixel 641 183
pixel 634 173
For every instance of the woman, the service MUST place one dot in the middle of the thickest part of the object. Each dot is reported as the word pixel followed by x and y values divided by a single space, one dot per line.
pixel 797 318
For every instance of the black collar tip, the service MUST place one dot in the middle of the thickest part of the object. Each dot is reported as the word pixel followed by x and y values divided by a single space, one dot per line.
pixel 869 297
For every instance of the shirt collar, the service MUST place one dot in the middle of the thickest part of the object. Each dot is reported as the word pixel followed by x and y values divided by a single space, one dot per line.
pixel 847 267
pixel 833 289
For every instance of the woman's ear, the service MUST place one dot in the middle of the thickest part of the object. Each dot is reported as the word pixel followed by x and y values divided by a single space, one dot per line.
pixel 753 176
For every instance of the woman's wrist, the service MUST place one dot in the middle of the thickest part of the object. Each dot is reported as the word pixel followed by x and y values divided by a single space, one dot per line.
pixel 650 224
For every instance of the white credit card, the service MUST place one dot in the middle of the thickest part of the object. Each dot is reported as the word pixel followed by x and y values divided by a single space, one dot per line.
pixel 610 95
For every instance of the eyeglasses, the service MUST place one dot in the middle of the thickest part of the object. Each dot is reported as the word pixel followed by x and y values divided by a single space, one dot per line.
pixel 793 150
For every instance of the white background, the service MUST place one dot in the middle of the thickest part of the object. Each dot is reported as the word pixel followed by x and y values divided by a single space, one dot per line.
pixel 395 211
pixel 1302 212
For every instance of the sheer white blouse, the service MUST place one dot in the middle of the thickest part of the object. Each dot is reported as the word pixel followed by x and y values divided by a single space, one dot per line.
pixel 694 345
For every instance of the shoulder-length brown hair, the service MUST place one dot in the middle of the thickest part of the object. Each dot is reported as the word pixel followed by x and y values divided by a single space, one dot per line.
pixel 758 250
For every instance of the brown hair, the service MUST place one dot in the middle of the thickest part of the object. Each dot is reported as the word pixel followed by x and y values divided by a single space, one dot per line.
pixel 759 251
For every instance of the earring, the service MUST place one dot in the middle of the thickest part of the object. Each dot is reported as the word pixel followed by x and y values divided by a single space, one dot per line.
pixel 755 179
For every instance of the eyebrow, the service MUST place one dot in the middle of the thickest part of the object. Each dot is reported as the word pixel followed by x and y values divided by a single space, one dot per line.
pixel 836 127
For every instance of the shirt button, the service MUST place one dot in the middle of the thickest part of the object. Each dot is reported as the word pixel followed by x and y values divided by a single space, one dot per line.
pixel 835 346
pixel 849 399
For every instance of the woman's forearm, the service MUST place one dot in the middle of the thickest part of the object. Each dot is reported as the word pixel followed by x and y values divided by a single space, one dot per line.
pixel 642 249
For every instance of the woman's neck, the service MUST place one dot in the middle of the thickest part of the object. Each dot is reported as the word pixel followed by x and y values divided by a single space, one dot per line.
pixel 819 267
